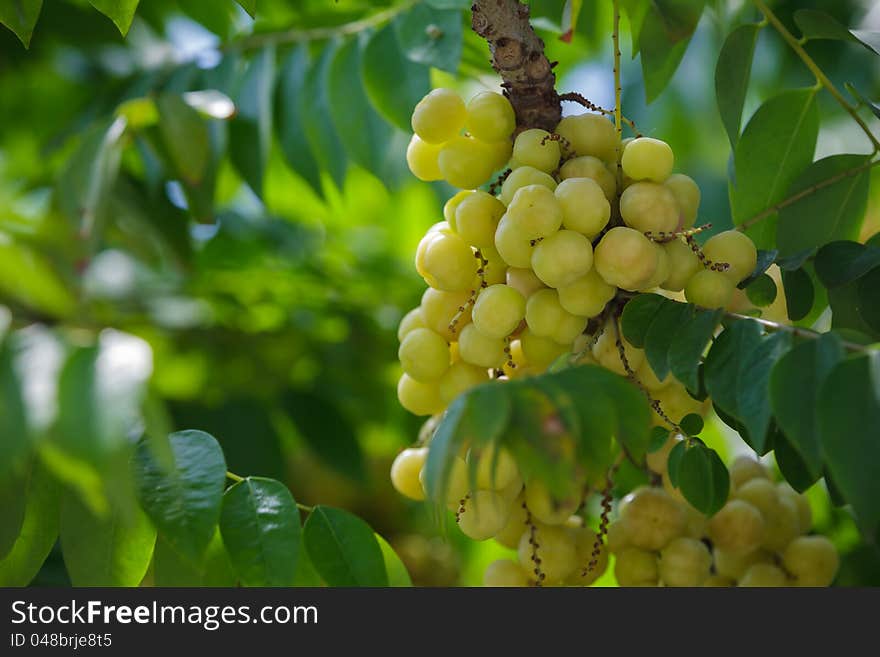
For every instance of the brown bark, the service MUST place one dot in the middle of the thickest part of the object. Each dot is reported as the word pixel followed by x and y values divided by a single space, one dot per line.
pixel 518 56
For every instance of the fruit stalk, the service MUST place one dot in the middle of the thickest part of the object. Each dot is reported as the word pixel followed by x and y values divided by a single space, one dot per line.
pixel 518 57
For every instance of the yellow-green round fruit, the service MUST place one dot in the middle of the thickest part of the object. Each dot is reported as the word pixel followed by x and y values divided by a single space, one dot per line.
pixel 483 515
pixel 451 206
pixel 608 356
pixel 812 560
pixel 548 508
pixel 405 472
pixel 685 562
pixel 421 157
pixel 616 539
pixel 490 117
pixel 734 566
pixel 687 195
pixel 438 308
pixel 738 528
pixel 745 468
pixel 476 218
pixel 762 494
pixel 584 542
pixel 561 258
pixel 784 526
pixel 458 379
pixel 645 374
pixel 718 581
pixel 658 459
pixel 524 280
pixel 805 514
pixel 709 289
pixel 478 349
pixel 589 134
pixel 636 567
pixel 649 207
pixel 419 398
pixel 555 549
pixel 734 248
pixel 516 525
pixel 412 320
pixel 646 158
pixel 424 355
pixel 586 296
pixel 683 263
pixel 626 258
pixel 652 518
pixel 495 269
pixel 466 162
pixel 496 468
pixel 536 211
pixel 763 575
pixel 446 261
pixel 521 177
pixel 539 351
pixel 499 153
pixel 593 168
pixel 439 116
pixel 662 271
pixel 534 148
pixel 544 313
pixel 505 573
pixel 513 243
pixel 456 485
pixel 498 311
pixel 584 206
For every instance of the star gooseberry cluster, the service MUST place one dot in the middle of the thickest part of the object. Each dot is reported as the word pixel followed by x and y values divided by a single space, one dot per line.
pixel 534 270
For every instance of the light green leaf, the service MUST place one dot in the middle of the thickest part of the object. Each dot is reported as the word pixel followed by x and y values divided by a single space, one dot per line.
pixel 21 16
pixel 291 132
pixel 14 429
pixel 314 108
pixel 343 548
pixel 429 36
pixel 27 276
pixel 13 491
pixel 664 36
pixel 121 12
pixel 398 576
pixel 732 72
pixel 250 132
pixel 185 137
pixel 170 569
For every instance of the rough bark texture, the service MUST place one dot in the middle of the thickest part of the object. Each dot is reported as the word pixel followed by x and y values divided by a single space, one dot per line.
pixel 518 56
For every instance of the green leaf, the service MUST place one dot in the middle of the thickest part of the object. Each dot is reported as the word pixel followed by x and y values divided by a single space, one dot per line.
pixel 260 525
pixel 250 132
pixel 842 262
pixel 874 107
pixel 762 291
pixel 722 363
pixel 570 13
pixel 429 36
pixel 659 436
pixel 776 146
pixel 393 83
pixel 21 16
pixel 291 133
pixel 691 424
pixel 316 418
pixel 636 10
pixel 114 550
pixel 849 412
pixel 868 307
pixel 795 384
pixel 703 479
pixel 791 464
pixel 39 530
pixel 398 576
pixel 29 277
pixel 184 137
pixel 752 398
pixel 834 212
pixel 13 489
pixel 815 24
pixel 868 38
pixel 765 259
pixel 799 293
pixel 663 38
pixel 661 334
pixel 343 548
pixel 673 461
pixel 688 344
pixel 170 569
pixel 183 499
pixel 732 72
pixel 848 308
pixel 14 429
pixel 121 12
pixel 638 315
pixel 366 140
pixel 250 6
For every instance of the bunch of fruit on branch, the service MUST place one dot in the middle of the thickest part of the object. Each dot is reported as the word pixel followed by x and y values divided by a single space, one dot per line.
pixel 532 264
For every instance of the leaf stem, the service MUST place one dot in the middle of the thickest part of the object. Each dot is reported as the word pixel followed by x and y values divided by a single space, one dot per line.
pixel 234 477
pixel 821 78
pixel 238 479
pixel 797 331
pixel 812 189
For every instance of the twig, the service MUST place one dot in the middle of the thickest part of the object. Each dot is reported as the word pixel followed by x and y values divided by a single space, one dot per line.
pixel 799 331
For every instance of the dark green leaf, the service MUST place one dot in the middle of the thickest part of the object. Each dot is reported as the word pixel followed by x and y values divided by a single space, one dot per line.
pixel 184 137
pixel 868 38
pixel 393 83
pixel 703 479
pixel 662 332
pixel 170 569
pixel 250 132
pixel 21 17
pixel 776 146
pixel 815 24
pixel 765 259
pixel 13 491
pixel 260 525
pixel 722 363
pixel 638 315
pixel 111 550
pixel 752 398
pixel 398 576
pixel 849 414
pixel 799 293
pixel 327 431
pixel 834 212
pixel 795 385
pixel 692 424
pixel 121 12
pixel 673 461
pixel 874 107
pixel 636 11
pixel 659 436
pixel 250 6
pixel 183 500
pixel 344 549
pixel 315 115
pixel 868 295
pixel 791 465
pixel 661 53
pixel 14 428
pixel 689 343
pixel 849 307
pixel 429 36
pixel 732 77
pixel 39 530
pixel 842 262
pixel 762 291
pixel 291 133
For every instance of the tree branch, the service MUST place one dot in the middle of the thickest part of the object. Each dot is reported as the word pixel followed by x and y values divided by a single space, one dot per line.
pixel 518 56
